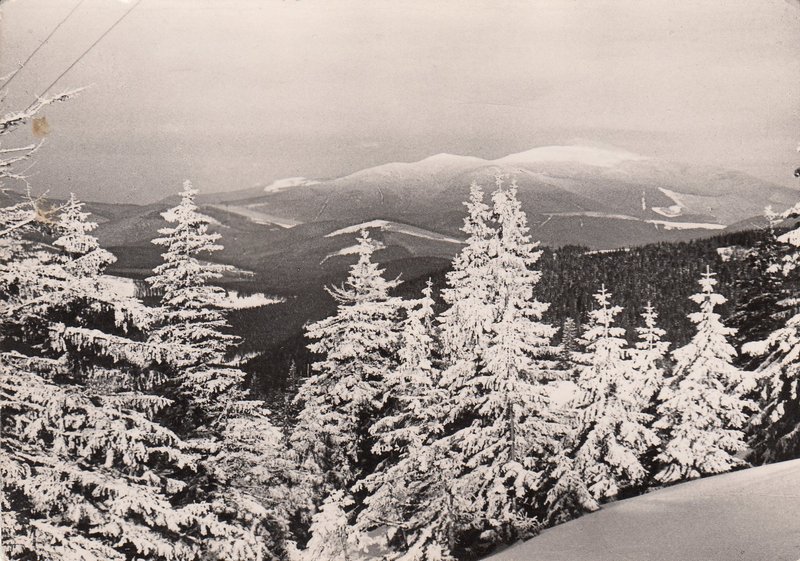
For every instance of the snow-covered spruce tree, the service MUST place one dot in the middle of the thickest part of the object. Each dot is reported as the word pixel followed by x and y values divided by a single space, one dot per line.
pixel 190 316
pixel 649 358
pixel 467 294
pixel 88 475
pixel 498 424
pixel 612 435
pixel 409 390
pixel 338 403
pixel 567 495
pixel 63 308
pixel 85 258
pixel 286 407
pixel 408 493
pixel 761 291
pixel 775 430
pixel 701 410
pixel 234 435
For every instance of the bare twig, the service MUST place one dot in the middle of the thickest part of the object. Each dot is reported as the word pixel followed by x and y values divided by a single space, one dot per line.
pixel 19 149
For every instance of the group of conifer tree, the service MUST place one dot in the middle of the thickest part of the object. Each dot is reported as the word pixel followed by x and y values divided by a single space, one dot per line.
pixel 128 431
pixel 439 437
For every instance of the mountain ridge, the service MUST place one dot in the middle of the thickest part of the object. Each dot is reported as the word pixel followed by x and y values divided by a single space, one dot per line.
pixel 601 198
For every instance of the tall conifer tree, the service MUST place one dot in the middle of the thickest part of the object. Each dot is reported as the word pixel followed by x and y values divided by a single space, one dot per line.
pixel 498 427
pixel 612 435
pixel 232 432
pixel 776 427
pixel 701 410
pixel 649 358
pixel 190 315
pixel 339 402
pixel 407 493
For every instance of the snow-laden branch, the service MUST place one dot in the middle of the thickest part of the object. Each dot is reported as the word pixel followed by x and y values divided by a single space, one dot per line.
pixel 11 121
pixel 118 348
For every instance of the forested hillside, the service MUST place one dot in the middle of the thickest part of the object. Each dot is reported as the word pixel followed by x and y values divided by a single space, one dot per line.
pixel 663 274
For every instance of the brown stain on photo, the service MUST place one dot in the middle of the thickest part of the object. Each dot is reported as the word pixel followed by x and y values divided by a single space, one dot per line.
pixel 40 127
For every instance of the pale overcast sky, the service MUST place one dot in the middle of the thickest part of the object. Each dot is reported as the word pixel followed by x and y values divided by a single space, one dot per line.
pixel 232 93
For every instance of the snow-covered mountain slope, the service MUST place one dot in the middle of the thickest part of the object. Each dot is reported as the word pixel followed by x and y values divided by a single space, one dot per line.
pixel 254 213
pixel 586 155
pixel 558 186
pixel 749 515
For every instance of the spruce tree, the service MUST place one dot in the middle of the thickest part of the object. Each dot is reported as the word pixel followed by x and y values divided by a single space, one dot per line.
pixel 233 433
pixel 331 537
pixel 339 402
pixel 775 429
pixel 467 292
pixel 569 344
pixel 286 408
pixel 612 435
pixel 85 259
pixel 498 425
pixel 406 493
pixel 410 389
pixel 190 317
pixel 649 358
pixel 760 291
pixel 701 410
pixel 567 495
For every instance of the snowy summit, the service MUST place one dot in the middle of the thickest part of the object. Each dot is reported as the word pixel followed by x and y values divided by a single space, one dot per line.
pixel 588 155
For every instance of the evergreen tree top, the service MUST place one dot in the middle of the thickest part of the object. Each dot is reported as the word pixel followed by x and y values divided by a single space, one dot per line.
pixel 708 300
pixel 190 234
pixel 478 215
pixel 709 350
pixel 85 256
pixel 365 283
pixel 650 334
pixel 601 319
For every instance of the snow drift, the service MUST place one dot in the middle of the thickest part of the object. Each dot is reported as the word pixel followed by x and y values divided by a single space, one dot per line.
pixel 753 514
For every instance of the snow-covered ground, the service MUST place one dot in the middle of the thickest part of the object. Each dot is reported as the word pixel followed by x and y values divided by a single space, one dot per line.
pixel 669 225
pixel 561 392
pixel 389 226
pixel 666 224
pixel 252 213
pixel 125 287
pixel 750 515
pixel 288 183
pixel 235 301
pixel 673 210
pixel 120 286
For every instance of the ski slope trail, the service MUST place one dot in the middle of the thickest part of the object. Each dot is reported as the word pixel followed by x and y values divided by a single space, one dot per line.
pixel 749 515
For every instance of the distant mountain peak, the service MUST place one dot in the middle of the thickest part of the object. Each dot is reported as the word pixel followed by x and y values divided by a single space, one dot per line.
pixel 287 183
pixel 445 158
pixel 588 155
